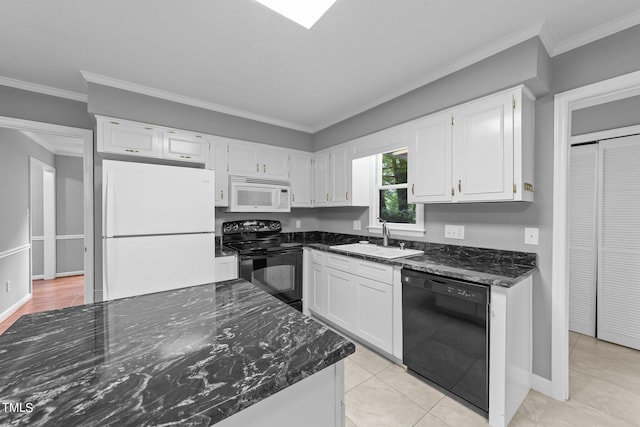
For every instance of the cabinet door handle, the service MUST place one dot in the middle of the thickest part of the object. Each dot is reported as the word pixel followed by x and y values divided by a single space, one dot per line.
pixel 346 195
pixel 129 150
pixel 327 197
pixel 453 191
pixel 257 167
pixel 413 189
pixel 460 185
pixel 185 157
pixel 221 194
pixel 264 168
pixel 293 197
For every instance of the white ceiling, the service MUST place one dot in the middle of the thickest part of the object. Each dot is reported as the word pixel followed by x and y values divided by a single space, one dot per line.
pixel 238 56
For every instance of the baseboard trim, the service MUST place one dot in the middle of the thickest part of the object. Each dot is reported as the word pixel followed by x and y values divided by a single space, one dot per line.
pixel 8 312
pixel 541 385
pixel 64 274
pixel 70 273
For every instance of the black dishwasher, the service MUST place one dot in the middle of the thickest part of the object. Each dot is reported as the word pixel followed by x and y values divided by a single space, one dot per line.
pixel 445 331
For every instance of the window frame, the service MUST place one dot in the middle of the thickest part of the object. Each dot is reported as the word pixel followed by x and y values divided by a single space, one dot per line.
pixel 395 228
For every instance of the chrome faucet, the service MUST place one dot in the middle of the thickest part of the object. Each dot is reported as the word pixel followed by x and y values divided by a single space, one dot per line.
pixel 385 232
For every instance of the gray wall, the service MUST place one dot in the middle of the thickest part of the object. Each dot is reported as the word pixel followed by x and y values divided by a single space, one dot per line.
pixel 15 150
pixel 69 213
pixel 501 225
pixel 37 107
pixel 526 62
pixel 612 115
pixel 123 104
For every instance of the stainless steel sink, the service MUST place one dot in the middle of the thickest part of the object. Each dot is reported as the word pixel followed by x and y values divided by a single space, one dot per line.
pixel 386 252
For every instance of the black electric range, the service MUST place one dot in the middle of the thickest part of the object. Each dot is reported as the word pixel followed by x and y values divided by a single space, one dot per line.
pixel 265 260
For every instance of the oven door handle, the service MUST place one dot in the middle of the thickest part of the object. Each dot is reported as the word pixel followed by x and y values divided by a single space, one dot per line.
pixel 261 256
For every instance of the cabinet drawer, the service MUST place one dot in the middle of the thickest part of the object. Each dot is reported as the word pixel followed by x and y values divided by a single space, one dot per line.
pixel 369 269
pixel 317 257
pixel 341 262
pixel 374 270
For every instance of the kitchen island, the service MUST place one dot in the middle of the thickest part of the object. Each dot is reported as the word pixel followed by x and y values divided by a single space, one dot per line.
pixel 224 353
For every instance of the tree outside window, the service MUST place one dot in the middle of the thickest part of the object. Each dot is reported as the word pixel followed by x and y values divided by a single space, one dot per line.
pixel 393 189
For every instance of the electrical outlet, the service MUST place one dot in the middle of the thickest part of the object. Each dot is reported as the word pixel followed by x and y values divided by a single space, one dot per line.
pixel 530 236
pixel 357 224
pixel 454 231
pixel 8 285
pixel 298 223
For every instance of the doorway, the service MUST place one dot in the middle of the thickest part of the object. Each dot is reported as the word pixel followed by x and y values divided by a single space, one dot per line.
pixel 565 103
pixel 67 145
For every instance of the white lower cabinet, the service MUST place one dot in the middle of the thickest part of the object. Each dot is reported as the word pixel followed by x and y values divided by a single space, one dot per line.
pixel 340 298
pixel 374 312
pixel 317 301
pixel 353 294
pixel 226 268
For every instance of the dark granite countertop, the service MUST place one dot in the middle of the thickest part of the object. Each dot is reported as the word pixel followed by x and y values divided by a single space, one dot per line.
pixel 479 265
pixel 192 356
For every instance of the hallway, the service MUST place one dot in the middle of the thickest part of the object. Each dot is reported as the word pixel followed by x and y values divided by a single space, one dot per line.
pixel 50 295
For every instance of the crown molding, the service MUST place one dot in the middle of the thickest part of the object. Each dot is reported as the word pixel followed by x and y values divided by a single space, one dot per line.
pixel 46 90
pixel 597 33
pixel 181 99
pixel 477 55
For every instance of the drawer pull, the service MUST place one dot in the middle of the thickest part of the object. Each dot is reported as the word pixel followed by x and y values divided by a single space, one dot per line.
pixel 185 157
pixel 129 150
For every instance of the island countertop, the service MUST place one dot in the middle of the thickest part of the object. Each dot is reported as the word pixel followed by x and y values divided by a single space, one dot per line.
pixel 191 356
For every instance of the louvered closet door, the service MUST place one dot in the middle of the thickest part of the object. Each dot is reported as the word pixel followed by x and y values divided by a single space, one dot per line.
pixel 619 242
pixel 583 256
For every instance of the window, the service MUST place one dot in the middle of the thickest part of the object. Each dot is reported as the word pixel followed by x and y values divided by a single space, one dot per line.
pixel 390 201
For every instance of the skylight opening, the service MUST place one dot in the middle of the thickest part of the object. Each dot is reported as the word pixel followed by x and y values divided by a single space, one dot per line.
pixel 305 13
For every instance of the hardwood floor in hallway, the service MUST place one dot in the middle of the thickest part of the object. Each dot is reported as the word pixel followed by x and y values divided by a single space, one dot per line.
pixel 50 295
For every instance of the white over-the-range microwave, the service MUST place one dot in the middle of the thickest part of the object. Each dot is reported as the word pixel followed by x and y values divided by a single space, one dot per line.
pixel 258 195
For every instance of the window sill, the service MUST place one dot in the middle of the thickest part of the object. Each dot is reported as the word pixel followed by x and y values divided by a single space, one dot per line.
pixel 417 232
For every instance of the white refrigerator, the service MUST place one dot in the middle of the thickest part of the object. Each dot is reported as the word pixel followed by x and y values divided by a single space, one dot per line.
pixel 158 225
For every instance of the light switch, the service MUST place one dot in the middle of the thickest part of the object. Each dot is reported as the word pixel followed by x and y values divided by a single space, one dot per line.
pixel 454 231
pixel 530 236
pixel 298 223
pixel 357 224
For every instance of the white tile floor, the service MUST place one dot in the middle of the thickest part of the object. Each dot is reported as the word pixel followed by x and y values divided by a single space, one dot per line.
pixel 604 390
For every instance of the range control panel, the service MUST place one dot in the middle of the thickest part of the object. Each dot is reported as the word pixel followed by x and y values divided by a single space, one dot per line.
pixel 251 226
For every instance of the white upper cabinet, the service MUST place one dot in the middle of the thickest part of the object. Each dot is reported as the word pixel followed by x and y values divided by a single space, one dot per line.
pixel 335 179
pixel 481 151
pixel 244 159
pixel 429 174
pixel 258 160
pixel 119 136
pixel 129 138
pixel 340 167
pixel 186 146
pixel 321 179
pixel 219 162
pixel 300 170
pixel 275 163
